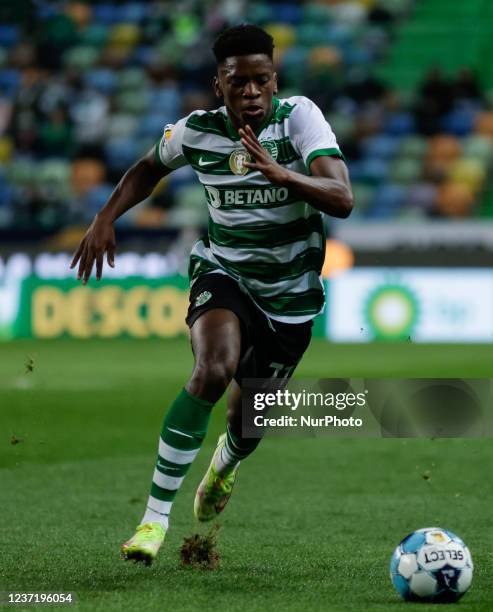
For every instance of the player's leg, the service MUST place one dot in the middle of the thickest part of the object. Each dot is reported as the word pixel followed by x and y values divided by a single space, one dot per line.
pixel 235 447
pixel 275 354
pixel 216 346
pixel 274 357
pixel 216 487
pixel 216 342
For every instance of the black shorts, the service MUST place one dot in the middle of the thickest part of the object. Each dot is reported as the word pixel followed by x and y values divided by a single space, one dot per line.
pixel 269 349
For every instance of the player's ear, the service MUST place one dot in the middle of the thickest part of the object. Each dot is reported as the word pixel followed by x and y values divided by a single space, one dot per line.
pixel 274 78
pixel 217 87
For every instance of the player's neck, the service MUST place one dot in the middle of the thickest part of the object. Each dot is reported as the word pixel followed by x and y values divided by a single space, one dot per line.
pixel 233 124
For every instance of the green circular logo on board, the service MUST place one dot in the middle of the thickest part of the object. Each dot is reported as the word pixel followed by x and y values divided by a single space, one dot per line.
pixel 391 312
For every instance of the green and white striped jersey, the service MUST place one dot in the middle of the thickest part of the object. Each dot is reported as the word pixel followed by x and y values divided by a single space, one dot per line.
pixel 259 233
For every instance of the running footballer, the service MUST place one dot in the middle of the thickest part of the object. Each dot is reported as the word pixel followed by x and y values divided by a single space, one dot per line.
pixel 269 168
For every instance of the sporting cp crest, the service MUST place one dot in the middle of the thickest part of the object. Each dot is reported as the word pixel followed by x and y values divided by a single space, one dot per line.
pixel 271 148
pixel 237 161
pixel 203 297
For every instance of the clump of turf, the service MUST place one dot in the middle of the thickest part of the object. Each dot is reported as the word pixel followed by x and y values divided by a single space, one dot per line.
pixel 199 551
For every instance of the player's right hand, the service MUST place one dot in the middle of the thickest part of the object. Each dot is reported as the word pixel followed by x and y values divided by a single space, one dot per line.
pixel 99 239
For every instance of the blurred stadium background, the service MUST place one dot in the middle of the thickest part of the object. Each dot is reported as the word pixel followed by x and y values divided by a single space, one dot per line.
pixel 86 88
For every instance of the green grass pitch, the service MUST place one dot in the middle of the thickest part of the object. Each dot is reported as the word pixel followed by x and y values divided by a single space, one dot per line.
pixel 312 522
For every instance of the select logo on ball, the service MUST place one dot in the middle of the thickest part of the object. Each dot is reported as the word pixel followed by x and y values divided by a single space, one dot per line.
pixel 431 565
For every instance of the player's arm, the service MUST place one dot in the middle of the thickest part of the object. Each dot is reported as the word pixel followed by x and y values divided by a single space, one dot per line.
pixel 327 189
pixel 136 185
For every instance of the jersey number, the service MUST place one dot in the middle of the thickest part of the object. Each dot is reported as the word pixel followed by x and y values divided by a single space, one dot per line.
pixel 281 371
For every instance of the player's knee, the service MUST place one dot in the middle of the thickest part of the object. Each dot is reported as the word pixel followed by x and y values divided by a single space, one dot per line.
pixel 211 377
pixel 216 373
pixel 221 373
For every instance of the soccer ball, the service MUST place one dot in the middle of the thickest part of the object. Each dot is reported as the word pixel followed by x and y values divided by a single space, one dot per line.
pixel 431 565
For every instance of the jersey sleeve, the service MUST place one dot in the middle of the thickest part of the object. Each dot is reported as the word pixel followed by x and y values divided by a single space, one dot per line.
pixel 310 133
pixel 169 150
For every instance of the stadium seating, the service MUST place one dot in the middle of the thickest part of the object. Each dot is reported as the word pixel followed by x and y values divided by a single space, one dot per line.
pixel 122 70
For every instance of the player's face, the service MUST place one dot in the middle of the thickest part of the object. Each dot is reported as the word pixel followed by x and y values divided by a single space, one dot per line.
pixel 247 84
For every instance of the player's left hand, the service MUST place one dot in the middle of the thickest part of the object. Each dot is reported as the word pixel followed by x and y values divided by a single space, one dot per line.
pixel 263 161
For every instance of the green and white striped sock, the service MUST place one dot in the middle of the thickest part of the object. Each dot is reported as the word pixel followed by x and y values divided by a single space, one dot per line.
pixel 184 429
pixel 234 450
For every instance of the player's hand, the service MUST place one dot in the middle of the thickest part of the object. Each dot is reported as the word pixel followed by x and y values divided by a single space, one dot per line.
pixel 99 239
pixel 263 161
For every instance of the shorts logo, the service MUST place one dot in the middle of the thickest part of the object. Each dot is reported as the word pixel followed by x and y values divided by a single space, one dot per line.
pixel 204 297
pixel 271 148
pixel 237 161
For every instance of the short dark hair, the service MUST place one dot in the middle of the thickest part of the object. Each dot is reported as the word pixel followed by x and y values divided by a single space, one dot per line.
pixel 244 39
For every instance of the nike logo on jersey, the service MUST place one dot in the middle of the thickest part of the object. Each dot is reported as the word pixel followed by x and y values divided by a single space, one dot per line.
pixel 205 163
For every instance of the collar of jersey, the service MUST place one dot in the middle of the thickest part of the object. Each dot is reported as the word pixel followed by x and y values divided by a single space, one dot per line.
pixel 233 134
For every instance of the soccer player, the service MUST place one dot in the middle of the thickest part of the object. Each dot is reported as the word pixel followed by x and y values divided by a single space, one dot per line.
pixel 269 168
